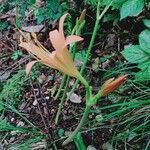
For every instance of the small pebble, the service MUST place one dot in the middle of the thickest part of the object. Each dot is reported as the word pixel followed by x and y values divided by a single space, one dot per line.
pixel 90 147
pixel 20 124
pixel 13 132
pixel 47 97
pixel 12 119
pixel 35 102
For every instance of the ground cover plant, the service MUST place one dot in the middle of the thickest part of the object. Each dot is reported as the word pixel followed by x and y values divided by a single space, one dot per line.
pixel 84 83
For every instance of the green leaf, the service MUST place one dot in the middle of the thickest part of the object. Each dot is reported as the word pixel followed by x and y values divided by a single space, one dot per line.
pixel 134 54
pixel 3 25
pixel 39 15
pixel 131 8
pixel 16 55
pixel 143 75
pixel 61 132
pixel 80 56
pixel 144 40
pixel 118 3
pixel 1 107
pixel 144 65
pixel 31 2
pixel 146 22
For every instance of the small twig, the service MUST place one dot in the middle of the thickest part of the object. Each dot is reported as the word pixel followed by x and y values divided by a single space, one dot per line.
pixel 40 111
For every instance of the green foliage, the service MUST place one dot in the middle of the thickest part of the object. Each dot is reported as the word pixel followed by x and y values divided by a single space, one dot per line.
pixel 3 25
pixel 6 126
pixel 21 8
pixel 140 54
pixel 144 40
pixel 131 8
pixel 27 144
pixel 80 56
pixel 7 5
pixel 146 22
pixel 79 142
pixel 92 2
pixel 135 54
pixel 126 7
pixel 52 11
pixel 16 55
pixel 12 90
pixel 1 107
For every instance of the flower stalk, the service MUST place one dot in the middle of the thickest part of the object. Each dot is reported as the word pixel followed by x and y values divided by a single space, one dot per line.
pixel 96 27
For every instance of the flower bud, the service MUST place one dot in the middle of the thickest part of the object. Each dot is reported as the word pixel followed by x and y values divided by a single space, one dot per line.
pixel 112 84
pixel 82 16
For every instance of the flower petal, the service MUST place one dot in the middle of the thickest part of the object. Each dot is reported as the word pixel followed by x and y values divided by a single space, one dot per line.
pixel 72 38
pixel 56 40
pixel 61 25
pixel 29 66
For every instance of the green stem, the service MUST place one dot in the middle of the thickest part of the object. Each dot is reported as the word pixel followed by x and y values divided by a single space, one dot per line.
pixel 62 101
pixel 83 119
pixel 60 87
pixel 98 18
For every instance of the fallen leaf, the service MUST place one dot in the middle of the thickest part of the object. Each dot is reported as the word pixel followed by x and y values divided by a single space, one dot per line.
pixel 36 28
pixel 74 98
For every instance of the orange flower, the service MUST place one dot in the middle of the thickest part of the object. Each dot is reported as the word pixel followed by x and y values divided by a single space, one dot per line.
pixel 111 85
pixel 60 58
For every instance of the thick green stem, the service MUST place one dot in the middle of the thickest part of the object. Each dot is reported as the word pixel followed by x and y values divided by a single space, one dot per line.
pixel 87 56
pixel 83 119
pixel 62 101
pixel 98 18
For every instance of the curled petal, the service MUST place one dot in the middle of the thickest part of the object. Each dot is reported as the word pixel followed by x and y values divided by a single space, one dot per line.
pixel 29 66
pixel 72 38
pixel 108 82
pixel 61 24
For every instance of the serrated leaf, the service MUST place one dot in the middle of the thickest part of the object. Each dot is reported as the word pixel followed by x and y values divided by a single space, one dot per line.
pixel 131 8
pixel 146 22
pixel 134 54
pixel 144 40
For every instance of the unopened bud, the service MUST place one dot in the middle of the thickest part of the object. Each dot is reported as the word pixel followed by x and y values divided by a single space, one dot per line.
pixel 112 84
pixel 82 16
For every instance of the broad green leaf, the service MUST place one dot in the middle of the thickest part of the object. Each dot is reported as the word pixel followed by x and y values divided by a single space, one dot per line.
pixel 31 2
pixel 145 65
pixel 134 54
pixel 118 3
pixel 146 22
pixel 144 40
pixel 143 75
pixel 131 8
